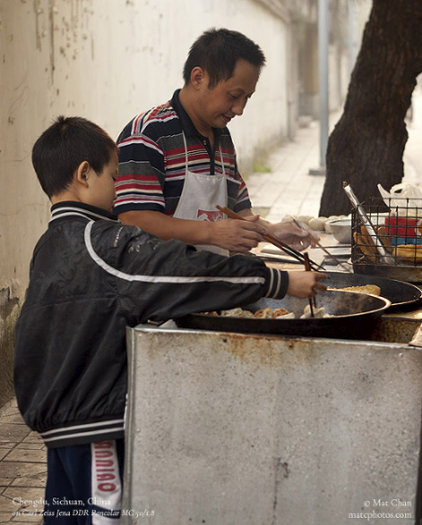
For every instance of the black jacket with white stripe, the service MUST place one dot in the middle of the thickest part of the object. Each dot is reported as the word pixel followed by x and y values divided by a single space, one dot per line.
pixel 90 277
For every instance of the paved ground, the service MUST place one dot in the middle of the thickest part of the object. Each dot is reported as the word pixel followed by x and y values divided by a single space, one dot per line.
pixel 287 189
pixel 22 469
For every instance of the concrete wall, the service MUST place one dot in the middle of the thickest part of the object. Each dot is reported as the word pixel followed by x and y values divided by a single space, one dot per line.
pixel 107 60
pixel 243 429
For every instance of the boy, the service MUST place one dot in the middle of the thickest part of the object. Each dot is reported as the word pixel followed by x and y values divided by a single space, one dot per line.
pixel 178 162
pixel 90 276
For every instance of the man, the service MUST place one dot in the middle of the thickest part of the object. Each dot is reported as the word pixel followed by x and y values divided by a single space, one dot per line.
pixel 177 161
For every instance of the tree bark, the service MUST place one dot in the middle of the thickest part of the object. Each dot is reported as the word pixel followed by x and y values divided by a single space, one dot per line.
pixel 366 146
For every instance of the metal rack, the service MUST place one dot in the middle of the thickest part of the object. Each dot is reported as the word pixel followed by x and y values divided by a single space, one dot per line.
pixel 398 231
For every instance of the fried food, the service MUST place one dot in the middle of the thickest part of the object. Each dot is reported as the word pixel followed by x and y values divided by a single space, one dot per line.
pixel 318 312
pixel 269 313
pixel 264 313
pixel 280 312
pixel 385 238
pixel 237 312
pixel 274 313
pixel 408 252
pixel 372 289
pixel 366 244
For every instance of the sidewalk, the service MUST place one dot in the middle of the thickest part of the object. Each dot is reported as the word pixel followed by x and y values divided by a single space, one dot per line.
pixel 22 469
pixel 288 189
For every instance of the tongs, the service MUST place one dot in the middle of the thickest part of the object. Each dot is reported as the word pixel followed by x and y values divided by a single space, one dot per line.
pixel 276 242
pixel 384 255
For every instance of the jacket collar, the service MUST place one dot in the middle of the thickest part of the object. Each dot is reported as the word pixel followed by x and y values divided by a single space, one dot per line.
pixel 80 209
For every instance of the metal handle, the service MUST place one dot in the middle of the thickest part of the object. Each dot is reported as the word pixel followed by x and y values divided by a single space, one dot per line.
pixel 385 256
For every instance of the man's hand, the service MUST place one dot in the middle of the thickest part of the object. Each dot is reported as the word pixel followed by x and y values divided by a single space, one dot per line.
pixel 298 236
pixel 236 235
pixel 305 284
pixel 233 235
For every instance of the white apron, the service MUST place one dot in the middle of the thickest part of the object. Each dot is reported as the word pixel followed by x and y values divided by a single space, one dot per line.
pixel 200 195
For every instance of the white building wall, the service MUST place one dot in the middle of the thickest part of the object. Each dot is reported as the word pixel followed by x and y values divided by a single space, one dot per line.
pixel 107 60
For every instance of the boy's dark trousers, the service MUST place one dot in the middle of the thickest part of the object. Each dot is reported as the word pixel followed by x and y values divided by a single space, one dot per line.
pixel 84 481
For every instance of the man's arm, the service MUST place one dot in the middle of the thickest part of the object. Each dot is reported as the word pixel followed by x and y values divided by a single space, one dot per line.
pixel 233 235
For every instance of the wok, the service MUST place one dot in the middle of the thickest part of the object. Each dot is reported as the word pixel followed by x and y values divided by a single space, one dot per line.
pixel 400 272
pixel 403 296
pixel 355 317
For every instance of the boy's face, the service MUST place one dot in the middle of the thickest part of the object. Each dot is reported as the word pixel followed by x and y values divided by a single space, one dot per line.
pixel 102 189
pixel 228 98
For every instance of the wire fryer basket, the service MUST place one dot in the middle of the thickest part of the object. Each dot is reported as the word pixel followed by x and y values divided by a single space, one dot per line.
pixel 398 232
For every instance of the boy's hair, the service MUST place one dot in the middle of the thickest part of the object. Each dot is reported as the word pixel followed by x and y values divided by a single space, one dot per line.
pixel 217 51
pixel 62 147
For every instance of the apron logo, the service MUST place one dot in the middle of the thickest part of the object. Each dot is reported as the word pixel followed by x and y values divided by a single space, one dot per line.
pixel 211 216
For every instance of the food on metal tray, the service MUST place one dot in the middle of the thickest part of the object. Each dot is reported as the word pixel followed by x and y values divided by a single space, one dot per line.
pixel 411 253
pixel 385 238
pixel 408 252
pixel 367 249
pixel 372 289
pixel 366 244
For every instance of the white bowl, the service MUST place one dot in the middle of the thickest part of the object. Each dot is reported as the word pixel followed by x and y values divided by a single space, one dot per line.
pixel 341 230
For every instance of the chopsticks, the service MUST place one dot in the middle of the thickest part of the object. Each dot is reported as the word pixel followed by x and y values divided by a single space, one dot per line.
pixel 273 240
pixel 324 249
pixel 312 301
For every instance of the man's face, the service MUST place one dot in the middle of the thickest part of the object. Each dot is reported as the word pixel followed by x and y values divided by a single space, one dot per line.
pixel 227 99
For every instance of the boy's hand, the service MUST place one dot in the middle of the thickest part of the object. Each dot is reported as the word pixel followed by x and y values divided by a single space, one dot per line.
pixel 305 284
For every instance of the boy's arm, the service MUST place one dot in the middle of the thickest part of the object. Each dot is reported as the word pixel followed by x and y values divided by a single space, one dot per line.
pixel 159 280
pixel 175 279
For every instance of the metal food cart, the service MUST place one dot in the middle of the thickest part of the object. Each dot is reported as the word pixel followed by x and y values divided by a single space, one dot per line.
pixel 244 429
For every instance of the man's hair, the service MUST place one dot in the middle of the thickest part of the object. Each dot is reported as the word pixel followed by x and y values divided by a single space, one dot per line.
pixel 64 146
pixel 217 51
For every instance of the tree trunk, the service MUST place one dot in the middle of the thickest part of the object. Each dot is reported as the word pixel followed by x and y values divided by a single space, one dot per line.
pixel 366 146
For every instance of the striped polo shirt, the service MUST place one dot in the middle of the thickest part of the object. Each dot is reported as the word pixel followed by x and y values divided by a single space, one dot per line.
pixel 152 160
